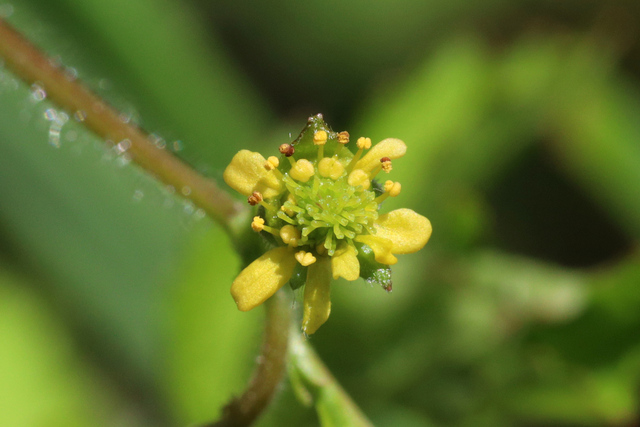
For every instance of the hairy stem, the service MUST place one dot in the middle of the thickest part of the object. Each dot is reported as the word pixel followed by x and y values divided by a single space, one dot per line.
pixel 244 410
pixel 33 66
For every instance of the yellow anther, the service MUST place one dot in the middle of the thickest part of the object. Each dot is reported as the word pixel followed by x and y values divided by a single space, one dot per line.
pixel 385 163
pixel 330 167
pixel 255 198
pixel 343 137
pixel 272 163
pixel 290 235
pixel 391 189
pixel 395 190
pixel 363 143
pixel 359 177
pixel 302 170
pixel 320 137
pixel 257 224
pixel 305 258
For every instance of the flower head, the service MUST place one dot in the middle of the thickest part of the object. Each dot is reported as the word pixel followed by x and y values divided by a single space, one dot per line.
pixel 320 202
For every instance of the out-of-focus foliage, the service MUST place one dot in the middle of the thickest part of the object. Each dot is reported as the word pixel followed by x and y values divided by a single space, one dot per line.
pixel 523 126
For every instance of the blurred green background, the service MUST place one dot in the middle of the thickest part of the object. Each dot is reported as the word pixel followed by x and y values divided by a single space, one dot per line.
pixel 522 120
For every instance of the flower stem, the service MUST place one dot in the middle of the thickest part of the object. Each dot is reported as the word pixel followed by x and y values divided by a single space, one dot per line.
pixel 33 66
pixel 270 369
pixel 333 404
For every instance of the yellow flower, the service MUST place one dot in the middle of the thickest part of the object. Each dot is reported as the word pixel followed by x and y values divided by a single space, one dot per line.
pixel 320 202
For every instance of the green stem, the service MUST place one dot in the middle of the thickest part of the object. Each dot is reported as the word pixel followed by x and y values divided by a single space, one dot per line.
pixel 244 410
pixel 333 404
pixel 33 66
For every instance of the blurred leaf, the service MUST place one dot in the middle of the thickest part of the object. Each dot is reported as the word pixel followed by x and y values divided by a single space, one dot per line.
pixel 44 382
pixel 210 343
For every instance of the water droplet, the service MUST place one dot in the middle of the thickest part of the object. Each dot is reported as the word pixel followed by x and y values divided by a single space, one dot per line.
pixel 138 195
pixel 171 189
pixel 199 214
pixel 157 140
pixel 177 146
pixel 70 73
pixel 55 61
pixel 122 146
pixel 124 160
pixel 124 118
pixel 188 207
pixel 6 10
pixel 50 114
pixel 37 92
pixel 58 120
pixel 80 116
pixel 186 190
pixel 104 84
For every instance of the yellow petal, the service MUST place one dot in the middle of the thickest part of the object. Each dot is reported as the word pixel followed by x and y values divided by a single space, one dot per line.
pixel 381 248
pixel 391 147
pixel 262 278
pixel 317 295
pixel 246 173
pixel 407 230
pixel 345 263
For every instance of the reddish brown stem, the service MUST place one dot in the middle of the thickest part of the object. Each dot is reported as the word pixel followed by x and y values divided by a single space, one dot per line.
pixel 33 66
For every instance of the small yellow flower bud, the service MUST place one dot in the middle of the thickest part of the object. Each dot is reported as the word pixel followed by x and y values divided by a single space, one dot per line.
pixel 363 143
pixel 343 137
pixel 359 177
pixel 330 167
pixel 255 198
pixel 320 137
pixel 302 171
pixel 385 162
pixel 257 224
pixel 305 258
pixel 290 235
pixel 271 163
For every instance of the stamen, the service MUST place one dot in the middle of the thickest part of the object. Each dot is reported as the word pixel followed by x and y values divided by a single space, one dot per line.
pixel 305 258
pixel 363 144
pixel 385 165
pixel 391 189
pixel 255 198
pixel 287 150
pixel 257 224
pixel 385 162
pixel 319 139
pixel 343 139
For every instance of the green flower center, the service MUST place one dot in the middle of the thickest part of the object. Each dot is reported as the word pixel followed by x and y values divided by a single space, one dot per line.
pixel 327 211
